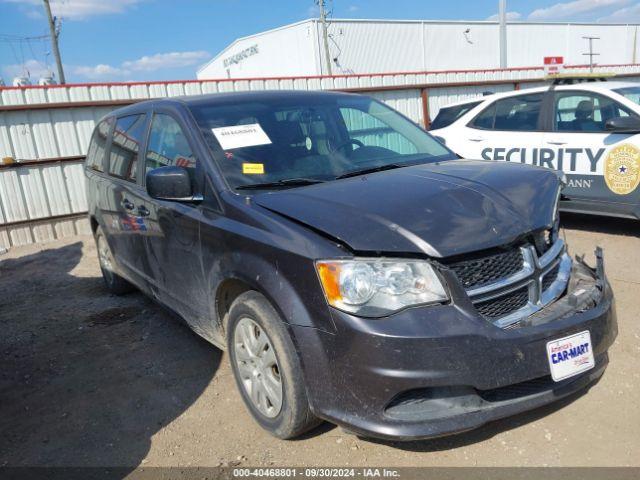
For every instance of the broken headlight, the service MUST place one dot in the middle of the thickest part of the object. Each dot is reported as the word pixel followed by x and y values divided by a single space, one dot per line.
pixel 376 287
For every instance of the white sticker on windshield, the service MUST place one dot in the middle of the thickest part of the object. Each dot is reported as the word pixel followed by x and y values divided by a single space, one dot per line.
pixel 241 136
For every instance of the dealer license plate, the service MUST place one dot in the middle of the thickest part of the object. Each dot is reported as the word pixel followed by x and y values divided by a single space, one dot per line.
pixel 570 356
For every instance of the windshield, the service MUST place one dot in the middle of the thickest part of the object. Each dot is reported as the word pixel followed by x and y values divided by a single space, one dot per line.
pixel 631 93
pixel 310 139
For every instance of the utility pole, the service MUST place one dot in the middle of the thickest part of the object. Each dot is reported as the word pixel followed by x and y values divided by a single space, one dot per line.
pixel 325 35
pixel 54 41
pixel 591 54
pixel 502 9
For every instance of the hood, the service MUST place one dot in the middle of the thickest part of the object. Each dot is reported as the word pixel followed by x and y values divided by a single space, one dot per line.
pixel 441 209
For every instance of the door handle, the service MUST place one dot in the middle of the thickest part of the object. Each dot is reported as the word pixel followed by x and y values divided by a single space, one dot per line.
pixel 143 211
pixel 476 139
pixel 556 143
pixel 127 204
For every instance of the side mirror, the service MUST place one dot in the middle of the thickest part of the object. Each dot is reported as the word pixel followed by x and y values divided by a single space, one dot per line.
pixel 623 125
pixel 170 183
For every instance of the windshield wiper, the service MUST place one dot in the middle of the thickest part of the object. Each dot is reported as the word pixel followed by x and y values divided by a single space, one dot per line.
pixel 364 171
pixel 287 182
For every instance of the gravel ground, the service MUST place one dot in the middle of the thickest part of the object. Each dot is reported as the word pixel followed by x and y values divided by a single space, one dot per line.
pixel 97 380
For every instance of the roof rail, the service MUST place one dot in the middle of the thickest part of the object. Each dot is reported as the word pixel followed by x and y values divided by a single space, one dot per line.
pixel 573 78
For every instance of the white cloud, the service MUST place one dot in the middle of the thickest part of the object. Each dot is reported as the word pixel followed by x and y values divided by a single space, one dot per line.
pixel 623 15
pixel 565 10
pixel 353 8
pixel 33 69
pixel 77 9
pixel 165 60
pixel 99 72
pixel 103 72
pixel 511 16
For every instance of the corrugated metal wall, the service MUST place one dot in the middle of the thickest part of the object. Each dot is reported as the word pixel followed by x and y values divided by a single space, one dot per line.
pixel 361 45
pixel 47 130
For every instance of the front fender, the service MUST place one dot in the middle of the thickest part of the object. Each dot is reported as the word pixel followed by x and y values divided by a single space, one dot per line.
pixel 290 285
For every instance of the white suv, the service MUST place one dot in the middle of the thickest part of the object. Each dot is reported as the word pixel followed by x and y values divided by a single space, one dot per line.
pixel 590 130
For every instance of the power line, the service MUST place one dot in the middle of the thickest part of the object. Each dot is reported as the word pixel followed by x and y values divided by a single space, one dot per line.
pixel 4 37
pixel 17 44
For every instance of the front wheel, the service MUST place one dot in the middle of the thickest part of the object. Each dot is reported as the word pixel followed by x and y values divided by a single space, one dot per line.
pixel 266 367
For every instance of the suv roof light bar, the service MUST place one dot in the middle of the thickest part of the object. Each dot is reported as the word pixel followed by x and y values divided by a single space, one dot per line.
pixel 572 78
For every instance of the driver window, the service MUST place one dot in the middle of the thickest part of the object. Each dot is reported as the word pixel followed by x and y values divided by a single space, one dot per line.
pixel 366 130
pixel 585 111
pixel 168 145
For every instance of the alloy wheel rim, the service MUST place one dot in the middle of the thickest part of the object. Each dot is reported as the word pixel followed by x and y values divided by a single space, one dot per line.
pixel 257 367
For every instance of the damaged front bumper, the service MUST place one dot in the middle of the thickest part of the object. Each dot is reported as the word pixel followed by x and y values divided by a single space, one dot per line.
pixel 428 372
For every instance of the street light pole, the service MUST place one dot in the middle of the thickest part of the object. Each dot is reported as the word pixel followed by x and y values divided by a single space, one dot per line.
pixel 54 41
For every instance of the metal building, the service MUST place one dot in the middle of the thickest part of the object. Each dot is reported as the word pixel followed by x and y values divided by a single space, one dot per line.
pixel 366 46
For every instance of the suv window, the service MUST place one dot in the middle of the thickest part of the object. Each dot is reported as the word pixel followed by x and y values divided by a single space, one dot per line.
pixel 373 132
pixel 446 116
pixel 514 114
pixel 585 111
pixel 168 145
pixel 125 146
pixel 98 144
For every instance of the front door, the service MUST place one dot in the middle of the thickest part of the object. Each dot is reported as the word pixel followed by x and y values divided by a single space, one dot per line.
pixel 598 164
pixel 173 241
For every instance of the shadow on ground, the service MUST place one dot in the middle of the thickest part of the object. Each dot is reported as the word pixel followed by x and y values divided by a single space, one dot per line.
pixel 88 378
pixel 600 224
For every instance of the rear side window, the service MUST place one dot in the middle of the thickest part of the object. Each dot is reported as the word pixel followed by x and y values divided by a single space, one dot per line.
pixel 168 145
pixel 515 114
pixel 446 116
pixel 98 144
pixel 125 147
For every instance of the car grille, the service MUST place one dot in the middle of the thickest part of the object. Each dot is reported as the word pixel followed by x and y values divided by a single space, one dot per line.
pixel 482 271
pixel 550 277
pixel 523 389
pixel 504 305
pixel 508 286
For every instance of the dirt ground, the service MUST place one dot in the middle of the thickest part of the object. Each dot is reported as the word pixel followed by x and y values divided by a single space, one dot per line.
pixel 97 380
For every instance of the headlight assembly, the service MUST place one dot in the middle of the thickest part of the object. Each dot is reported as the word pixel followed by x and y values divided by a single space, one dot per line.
pixel 377 287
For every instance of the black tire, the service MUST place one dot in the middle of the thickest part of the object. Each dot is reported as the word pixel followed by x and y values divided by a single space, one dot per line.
pixel 294 417
pixel 114 282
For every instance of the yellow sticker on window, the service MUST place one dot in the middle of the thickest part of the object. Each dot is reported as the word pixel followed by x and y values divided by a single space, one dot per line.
pixel 253 168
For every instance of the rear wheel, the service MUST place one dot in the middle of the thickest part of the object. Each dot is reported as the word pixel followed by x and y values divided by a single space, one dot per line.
pixel 266 367
pixel 114 282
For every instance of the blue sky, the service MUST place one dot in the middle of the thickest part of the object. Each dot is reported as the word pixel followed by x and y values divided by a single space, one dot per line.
pixel 122 40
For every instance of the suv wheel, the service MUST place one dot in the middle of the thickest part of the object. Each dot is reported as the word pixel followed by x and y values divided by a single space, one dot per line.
pixel 266 367
pixel 115 283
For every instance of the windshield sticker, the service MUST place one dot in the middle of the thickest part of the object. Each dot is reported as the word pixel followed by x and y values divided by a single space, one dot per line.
pixel 253 168
pixel 241 136
pixel 308 143
pixel 622 169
